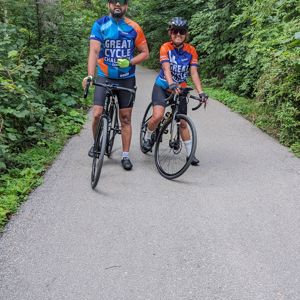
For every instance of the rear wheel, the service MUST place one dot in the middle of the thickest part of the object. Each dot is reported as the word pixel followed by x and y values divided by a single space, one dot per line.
pixel 147 116
pixel 114 128
pixel 171 157
pixel 99 150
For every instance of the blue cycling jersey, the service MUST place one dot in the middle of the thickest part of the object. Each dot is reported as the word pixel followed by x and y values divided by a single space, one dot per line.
pixel 118 40
pixel 180 61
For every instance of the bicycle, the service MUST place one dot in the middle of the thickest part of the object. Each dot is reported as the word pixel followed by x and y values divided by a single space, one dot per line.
pixel 171 162
pixel 108 126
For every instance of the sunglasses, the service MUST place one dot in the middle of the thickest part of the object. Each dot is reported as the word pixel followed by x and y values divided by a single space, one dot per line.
pixel 122 2
pixel 180 31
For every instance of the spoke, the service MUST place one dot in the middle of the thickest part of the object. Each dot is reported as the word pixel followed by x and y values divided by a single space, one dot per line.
pixel 171 156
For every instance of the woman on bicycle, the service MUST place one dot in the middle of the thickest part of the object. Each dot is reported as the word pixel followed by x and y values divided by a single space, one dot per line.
pixel 178 60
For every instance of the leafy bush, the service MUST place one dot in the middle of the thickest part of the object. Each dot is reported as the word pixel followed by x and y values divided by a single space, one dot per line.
pixel 251 48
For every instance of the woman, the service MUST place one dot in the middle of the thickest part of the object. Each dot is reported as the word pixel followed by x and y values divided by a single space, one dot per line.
pixel 178 60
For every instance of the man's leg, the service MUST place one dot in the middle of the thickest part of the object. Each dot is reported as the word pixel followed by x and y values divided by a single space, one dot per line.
pixel 126 132
pixel 97 112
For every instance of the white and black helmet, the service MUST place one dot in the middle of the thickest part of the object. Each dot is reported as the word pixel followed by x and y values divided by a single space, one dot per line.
pixel 178 23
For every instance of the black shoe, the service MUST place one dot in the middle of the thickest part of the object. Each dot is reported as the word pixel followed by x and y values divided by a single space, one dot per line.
pixel 126 163
pixel 91 152
pixel 195 161
pixel 147 145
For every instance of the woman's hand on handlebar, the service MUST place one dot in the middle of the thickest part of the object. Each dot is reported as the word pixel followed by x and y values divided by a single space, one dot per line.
pixel 203 96
pixel 174 87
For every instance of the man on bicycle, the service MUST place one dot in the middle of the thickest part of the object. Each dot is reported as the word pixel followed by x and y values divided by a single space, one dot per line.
pixel 178 60
pixel 113 41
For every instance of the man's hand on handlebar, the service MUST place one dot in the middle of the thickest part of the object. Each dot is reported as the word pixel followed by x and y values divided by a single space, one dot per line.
pixel 86 79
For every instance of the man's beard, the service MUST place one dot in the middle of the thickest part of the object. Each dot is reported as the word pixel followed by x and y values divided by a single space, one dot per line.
pixel 117 13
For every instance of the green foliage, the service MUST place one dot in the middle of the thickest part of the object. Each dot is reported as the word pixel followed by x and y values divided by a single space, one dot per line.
pixel 251 48
pixel 18 182
pixel 277 124
pixel 22 109
pixel 154 16
pixel 42 62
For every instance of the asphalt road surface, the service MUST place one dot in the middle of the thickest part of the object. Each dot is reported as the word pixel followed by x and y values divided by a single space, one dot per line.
pixel 228 229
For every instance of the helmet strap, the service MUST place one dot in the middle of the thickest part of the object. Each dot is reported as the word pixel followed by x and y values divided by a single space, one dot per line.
pixel 178 46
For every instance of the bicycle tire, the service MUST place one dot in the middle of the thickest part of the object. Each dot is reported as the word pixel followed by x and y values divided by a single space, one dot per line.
pixel 99 146
pixel 147 116
pixel 165 151
pixel 113 128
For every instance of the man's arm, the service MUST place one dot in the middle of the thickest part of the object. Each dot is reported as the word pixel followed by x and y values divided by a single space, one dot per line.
pixel 143 55
pixel 92 59
pixel 93 56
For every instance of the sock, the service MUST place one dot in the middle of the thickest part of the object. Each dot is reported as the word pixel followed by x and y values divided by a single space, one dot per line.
pixel 148 134
pixel 125 154
pixel 188 147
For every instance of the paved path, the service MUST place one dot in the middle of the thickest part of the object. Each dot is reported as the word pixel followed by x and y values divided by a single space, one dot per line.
pixel 229 229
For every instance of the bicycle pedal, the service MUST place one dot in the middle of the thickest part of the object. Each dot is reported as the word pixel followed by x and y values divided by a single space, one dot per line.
pixel 97 154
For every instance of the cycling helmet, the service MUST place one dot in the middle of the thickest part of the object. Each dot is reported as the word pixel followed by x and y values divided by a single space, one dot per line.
pixel 179 23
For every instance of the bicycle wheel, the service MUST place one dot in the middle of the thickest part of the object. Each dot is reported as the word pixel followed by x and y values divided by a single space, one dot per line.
pixel 147 116
pixel 113 128
pixel 170 151
pixel 99 149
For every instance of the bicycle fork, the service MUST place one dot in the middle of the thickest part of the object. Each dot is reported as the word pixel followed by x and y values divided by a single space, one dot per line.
pixel 174 141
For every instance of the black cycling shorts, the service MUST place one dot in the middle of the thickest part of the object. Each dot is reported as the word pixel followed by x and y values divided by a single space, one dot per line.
pixel 159 95
pixel 123 96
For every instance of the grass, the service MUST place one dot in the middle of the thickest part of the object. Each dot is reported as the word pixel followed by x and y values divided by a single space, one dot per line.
pixel 253 111
pixel 17 183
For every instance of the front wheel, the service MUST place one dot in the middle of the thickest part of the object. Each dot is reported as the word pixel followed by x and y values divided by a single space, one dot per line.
pixel 114 128
pixel 175 146
pixel 99 150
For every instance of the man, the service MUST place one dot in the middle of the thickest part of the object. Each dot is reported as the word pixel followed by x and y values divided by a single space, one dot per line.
pixel 178 60
pixel 112 43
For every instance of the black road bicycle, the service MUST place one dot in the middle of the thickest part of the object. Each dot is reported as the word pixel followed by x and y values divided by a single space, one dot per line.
pixel 108 126
pixel 170 153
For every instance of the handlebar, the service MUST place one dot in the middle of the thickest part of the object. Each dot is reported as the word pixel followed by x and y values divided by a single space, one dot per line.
pixel 185 92
pixel 201 101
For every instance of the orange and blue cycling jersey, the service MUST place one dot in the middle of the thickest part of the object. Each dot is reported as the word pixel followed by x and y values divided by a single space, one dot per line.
pixel 180 61
pixel 118 40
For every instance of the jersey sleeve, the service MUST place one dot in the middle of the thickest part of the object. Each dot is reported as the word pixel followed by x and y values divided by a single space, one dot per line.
pixel 194 61
pixel 163 54
pixel 140 38
pixel 96 33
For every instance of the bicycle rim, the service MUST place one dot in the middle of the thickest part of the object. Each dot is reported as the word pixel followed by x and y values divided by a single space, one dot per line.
pixel 114 128
pixel 170 152
pixel 99 146
pixel 147 116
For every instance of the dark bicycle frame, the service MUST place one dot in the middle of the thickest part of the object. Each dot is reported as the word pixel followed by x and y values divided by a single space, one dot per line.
pixel 110 98
pixel 174 102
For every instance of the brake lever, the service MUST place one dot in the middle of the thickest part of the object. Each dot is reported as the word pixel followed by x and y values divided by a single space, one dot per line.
pixel 86 90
